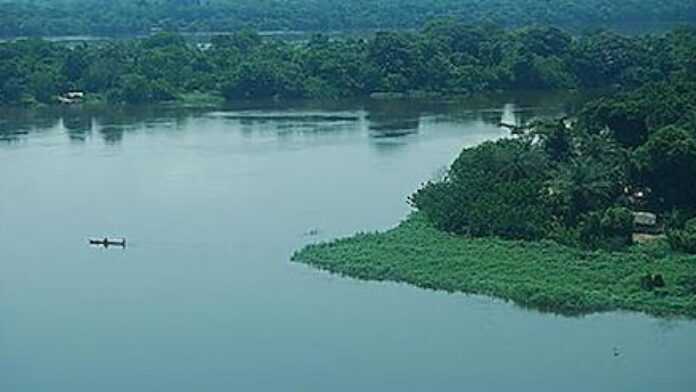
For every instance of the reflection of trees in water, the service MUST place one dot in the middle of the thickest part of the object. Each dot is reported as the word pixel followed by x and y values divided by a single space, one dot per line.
pixel 16 124
pixel 382 118
pixel 112 135
pixel 21 120
pixel 388 145
pixel 11 138
pixel 78 126
pixel 78 123
pixel 394 118
pixel 286 124
pixel 393 127
pixel 11 132
pixel 301 118
pixel 143 118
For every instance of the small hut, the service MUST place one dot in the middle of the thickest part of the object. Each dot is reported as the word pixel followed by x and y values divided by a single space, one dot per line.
pixel 71 97
pixel 646 222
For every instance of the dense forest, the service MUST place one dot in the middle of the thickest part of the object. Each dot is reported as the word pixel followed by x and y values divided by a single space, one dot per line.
pixel 579 183
pixel 445 58
pixel 107 17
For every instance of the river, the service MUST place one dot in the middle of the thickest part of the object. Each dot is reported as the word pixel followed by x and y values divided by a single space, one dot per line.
pixel 204 298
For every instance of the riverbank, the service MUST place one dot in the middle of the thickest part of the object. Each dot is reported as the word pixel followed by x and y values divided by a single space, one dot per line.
pixel 539 275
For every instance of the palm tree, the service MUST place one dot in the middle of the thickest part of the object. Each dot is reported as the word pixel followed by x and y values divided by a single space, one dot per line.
pixel 583 185
pixel 521 160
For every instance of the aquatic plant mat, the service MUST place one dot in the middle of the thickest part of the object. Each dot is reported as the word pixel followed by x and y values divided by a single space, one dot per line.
pixel 542 275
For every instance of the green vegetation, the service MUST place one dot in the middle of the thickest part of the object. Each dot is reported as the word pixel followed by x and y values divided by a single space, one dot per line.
pixel 541 275
pixel 546 218
pixel 107 17
pixel 576 184
pixel 445 58
pixel 683 237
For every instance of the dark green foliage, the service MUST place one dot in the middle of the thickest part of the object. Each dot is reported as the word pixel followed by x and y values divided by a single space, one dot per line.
pixel 667 164
pixel 583 185
pixel 11 90
pixel 99 17
pixel 135 89
pixel 493 189
pixel 684 239
pixel 631 116
pixel 446 58
pixel 44 84
pixel 610 229
pixel 617 222
pixel 264 79
pixel 75 64
pixel 625 119
pixel 651 282
pixel 510 210
pixel 557 140
pixel 604 59
pixel 576 185
pixel 552 183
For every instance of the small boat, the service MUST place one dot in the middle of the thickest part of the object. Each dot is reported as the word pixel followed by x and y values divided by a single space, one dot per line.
pixel 106 242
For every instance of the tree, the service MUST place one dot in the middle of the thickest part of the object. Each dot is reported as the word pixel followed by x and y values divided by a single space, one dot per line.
pixel 264 78
pixel 581 186
pixel 610 229
pixel 622 115
pixel 493 189
pixel 683 239
pixel 135 89
pixel 44 85
pixel 667 164
pixel 544 41
pixel 74 65
pixel 396 58
pixel 556 139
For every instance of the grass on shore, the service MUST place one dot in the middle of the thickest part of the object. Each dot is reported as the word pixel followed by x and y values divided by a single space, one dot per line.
pixel 540 275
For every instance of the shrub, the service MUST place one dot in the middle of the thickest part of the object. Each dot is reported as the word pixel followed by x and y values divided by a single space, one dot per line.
pixel 667 163
pixel 617 222
pixel 610 229
pixel 684 240
pixel 493 189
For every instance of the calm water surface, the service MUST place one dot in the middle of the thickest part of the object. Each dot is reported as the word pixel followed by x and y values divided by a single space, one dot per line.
pixel 205 298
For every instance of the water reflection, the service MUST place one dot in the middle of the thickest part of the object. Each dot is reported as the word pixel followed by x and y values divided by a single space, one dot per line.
pixel 112 135
pixel 510 116
pixel 379 119
pixel 78 126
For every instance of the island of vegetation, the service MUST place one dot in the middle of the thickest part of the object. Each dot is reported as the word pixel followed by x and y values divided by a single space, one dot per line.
pixel 576 215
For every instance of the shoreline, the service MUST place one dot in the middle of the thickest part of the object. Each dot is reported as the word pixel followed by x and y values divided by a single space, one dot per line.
pixel 543 275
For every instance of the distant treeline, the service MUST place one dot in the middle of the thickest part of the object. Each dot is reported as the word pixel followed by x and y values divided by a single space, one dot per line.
pixel 109 17
pixel 444 58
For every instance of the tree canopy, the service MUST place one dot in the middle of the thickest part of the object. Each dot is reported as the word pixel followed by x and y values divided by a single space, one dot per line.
pixel 579 184
pixel 445 57
pixel 107 17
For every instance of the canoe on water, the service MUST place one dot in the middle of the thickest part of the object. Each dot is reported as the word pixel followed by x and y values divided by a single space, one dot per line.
pixel 108 241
